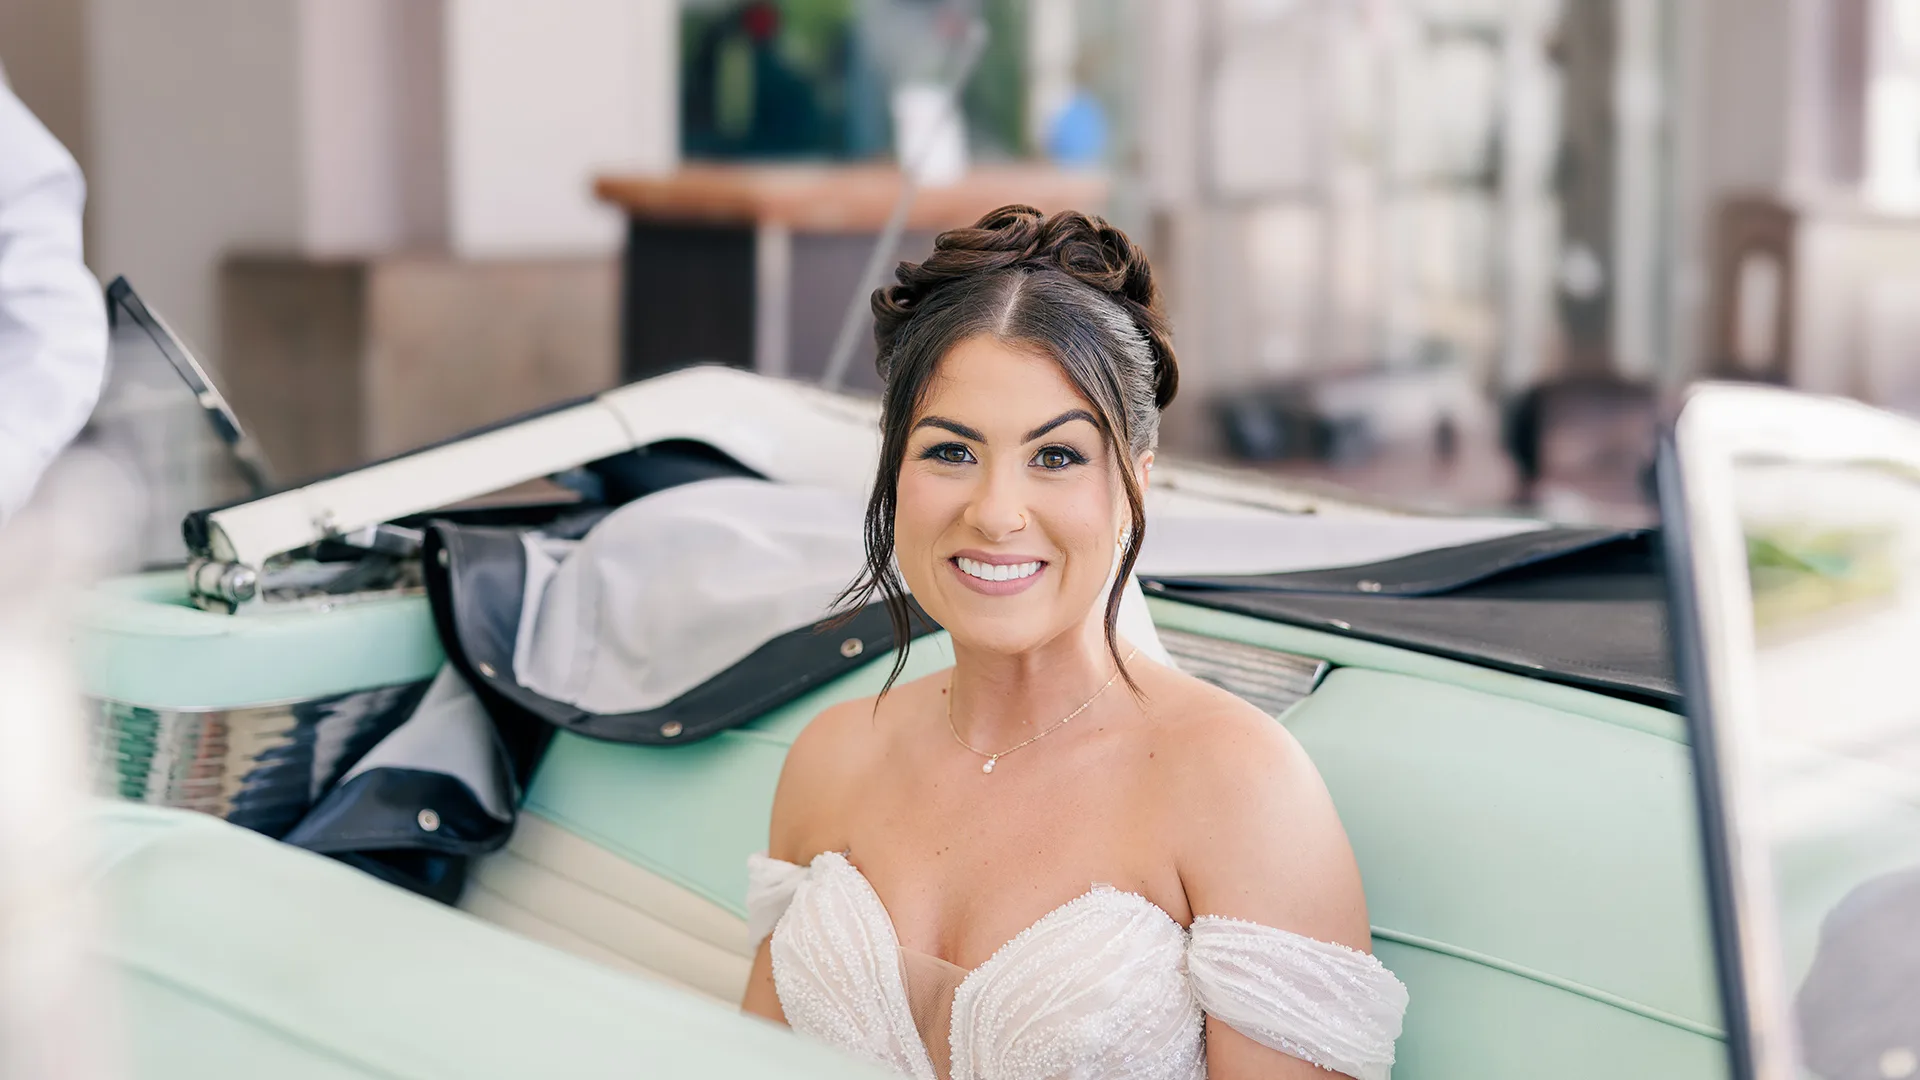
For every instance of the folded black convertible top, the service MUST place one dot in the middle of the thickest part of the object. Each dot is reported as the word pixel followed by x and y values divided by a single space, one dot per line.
pixel 1583 607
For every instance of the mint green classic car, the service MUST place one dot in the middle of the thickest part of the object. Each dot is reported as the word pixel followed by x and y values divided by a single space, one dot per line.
pixel 419 851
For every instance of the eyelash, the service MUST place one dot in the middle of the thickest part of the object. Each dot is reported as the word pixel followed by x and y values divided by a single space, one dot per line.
pixel 1074 457
pixel 939 452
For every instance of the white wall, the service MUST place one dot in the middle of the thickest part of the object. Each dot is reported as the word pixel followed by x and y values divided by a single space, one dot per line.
pixel 540 96
pixel 194 109
pixel 372 125
pixel 352 127
pixel 1748 56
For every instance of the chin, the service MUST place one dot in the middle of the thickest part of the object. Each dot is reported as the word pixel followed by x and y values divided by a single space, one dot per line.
pixel 1007 625
pixel 1008 633
pixel 1003 640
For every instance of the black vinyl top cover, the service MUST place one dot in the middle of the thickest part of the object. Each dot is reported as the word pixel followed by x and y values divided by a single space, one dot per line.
pixel 1584 607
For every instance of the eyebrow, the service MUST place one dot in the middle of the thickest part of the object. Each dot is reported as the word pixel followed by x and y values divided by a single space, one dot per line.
pixel 966 432
pixel 1064 418
pixel 954 426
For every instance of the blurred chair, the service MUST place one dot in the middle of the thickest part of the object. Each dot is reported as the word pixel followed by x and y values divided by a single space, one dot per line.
pixel 1584 446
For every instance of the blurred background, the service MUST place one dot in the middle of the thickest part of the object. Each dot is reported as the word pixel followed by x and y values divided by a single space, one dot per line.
pixel 1447 253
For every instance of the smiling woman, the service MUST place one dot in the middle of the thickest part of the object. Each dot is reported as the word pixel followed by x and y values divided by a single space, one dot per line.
pixel 1013 507
pixel 1022 311
pixel 1158 885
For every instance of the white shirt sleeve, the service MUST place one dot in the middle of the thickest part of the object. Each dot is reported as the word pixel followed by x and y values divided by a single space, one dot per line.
pixel 53 320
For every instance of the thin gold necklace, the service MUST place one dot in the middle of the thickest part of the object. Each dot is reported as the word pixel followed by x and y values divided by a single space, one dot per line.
pixel 1055 726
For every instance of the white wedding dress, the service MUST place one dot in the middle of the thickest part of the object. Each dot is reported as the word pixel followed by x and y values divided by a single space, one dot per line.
pixel 1106 985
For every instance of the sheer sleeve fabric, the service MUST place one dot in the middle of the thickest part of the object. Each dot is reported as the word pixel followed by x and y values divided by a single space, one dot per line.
pixel 1323 1003
pixel 770 887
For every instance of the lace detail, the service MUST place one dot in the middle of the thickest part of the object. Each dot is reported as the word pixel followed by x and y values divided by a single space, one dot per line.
pixel 1106 985
pixel 1336 1007
pixel 836 969
pixel 1096 988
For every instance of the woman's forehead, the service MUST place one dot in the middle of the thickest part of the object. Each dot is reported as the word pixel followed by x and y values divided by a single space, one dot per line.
pixel 992 380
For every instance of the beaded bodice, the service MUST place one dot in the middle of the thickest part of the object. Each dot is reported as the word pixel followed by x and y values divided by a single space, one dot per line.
pixel 1106 985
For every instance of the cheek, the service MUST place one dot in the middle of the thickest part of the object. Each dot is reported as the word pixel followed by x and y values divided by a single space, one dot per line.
pixel 1086 526
pixel 923 507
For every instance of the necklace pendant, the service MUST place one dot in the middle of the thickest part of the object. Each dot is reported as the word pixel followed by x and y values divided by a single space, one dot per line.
pixel 988 767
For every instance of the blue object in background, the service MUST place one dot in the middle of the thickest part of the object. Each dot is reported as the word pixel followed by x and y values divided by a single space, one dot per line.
pixel 1078 135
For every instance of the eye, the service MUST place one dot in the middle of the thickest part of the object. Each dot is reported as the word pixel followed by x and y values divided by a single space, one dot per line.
pixel 1055 458
pixel 952 453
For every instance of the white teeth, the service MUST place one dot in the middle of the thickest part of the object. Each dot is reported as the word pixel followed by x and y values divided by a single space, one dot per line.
pixel 997 571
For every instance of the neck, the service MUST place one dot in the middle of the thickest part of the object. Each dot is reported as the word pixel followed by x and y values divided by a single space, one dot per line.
pixel 999 699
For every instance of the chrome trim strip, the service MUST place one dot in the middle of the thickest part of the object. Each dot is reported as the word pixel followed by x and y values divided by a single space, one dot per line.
pixel 262 767
pixel 1272 681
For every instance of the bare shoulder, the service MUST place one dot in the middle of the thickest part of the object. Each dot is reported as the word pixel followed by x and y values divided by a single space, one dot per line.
pixel 1218 747
pixel 1257 835
pixel 827 760
pixel 805 803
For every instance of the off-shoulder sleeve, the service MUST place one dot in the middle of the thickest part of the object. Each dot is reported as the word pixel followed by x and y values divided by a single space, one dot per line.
pixel 770 887
pixel 1324 1003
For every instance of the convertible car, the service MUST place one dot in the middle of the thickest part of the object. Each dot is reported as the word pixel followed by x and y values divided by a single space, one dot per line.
pixel 450 765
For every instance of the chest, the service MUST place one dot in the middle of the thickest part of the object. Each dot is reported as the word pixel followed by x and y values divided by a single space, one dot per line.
pixel 964 861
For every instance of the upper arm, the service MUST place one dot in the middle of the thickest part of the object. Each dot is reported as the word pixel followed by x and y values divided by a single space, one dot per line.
pixel 53 322
pixel 1262 842
pixel 761 999
pixel 804 821
pixel 1260 839
pixel 806 801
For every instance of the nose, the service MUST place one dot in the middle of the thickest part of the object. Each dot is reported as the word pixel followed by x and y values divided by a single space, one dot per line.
pixel 998 508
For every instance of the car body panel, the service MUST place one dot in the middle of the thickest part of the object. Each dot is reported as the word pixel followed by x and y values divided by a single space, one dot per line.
pixel 240 956
pixel 140 640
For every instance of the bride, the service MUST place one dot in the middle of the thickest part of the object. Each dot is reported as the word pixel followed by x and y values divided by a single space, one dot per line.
pixel 1057 858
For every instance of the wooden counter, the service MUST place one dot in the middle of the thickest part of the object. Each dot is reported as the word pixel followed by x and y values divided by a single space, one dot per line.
pixel 753 265
pixel 841 199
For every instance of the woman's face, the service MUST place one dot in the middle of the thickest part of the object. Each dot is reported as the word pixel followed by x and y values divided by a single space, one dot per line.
pixel 1010 502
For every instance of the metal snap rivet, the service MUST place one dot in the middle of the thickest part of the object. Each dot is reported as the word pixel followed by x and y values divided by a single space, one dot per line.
pixel 429 821
pixel 851 647
pixel 485 668
pixel 670 729
pixel 443 558
pixel 1367 586
pixel 1340 624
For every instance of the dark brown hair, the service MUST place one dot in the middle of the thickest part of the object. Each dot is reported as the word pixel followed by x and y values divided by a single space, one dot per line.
pixel 1070 286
